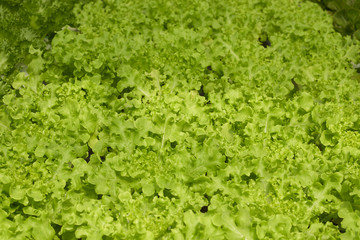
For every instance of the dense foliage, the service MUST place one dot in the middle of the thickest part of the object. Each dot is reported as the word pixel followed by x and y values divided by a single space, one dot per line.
pixel 28 22
pixel 346 15
pixel 185 120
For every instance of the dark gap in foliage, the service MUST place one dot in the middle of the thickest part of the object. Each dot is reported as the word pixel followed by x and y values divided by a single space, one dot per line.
pixel 201 92
pixel 204 209
pixel 33 121
pixel 70 165
pixel 125 90
pixel 220 73
pixel 201 139
pixel 115 80
pixel 68 71
pixel 292 197
pixel 100 196
pixel 11 4
pixel 320 146
pixel 206 174
pixel 5 86
pixel 247 179
pixel 17 93
pixel 226 159
pixel 321 181
pixel 10 217
pixel 173 144
pixel 355 129
pixel 264 40
pixel 165 25
pixel 18 207
pixel 50 36
pixel 190 25
pixel 318 143
pixel 114 215
pixel 301 111
pixel 208 198
pixel 296 89
pixel 266 44
pixel 167 193
pixel 296 85
pixel 90 152
pixel 335 193
pixel 83 179
pixel 315 133
pixel 69 235
pixel 85 91
pixel 218 191
pixel 209 68
pixel 172 226
pixel 132 191
pixel 306 191
pixel 333 218
pixel 239 127
pixel 231 177
pixel 105 105
pixel 34 110
pixel 57 228
pixel 67 185
pixel 156 136
pixel 44 83
pixel 120 111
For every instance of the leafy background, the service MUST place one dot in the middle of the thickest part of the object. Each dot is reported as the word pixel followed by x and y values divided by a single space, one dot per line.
pixel 28 22
pixel 190 120
pixel 346 15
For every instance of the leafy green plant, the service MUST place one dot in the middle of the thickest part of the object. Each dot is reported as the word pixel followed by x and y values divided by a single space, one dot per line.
pixel 346 15
pixel 184 120
pixel 26 23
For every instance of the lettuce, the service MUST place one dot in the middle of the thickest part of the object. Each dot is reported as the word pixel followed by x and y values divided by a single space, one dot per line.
pixel 186 120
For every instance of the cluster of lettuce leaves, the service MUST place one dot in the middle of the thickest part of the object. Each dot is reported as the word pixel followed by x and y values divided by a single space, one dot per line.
pixel 185 120
pixel 346 15
pixel 28 22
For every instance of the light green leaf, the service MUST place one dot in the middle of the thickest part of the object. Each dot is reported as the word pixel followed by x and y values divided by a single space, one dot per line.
pixel 328 138
pixel 36 194
pixel 42 230
pixel 40 151
pixel 217 220
pixel 306 101
pixel 148 189
pixel 16 192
